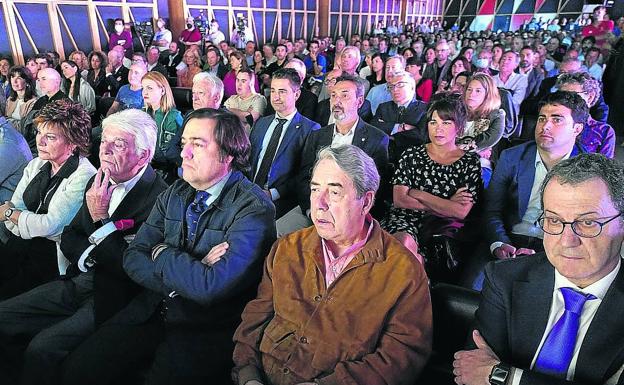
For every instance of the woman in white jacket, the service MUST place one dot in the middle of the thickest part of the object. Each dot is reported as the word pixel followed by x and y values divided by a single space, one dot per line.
pixel 46 199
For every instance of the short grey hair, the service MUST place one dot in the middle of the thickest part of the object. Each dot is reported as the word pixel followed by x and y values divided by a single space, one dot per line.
pixel 585 80
pixel 353 48
pixel 138 124
pixel 584 167
pixel 215 85
pixel 356 164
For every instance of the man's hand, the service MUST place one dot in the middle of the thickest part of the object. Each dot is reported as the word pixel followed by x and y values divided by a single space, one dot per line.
pixel 506 251
pixel 462 196
pixel 99 194
pixel 215 254
pixel 109 68
pixel 473 367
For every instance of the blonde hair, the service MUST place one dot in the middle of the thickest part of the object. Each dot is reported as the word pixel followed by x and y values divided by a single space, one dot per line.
pixel 166 101
pixel 492 99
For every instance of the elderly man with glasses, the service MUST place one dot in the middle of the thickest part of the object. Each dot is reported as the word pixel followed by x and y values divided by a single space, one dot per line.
pixel 556 317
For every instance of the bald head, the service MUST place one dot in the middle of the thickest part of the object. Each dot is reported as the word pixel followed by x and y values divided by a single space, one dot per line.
pixel 49 81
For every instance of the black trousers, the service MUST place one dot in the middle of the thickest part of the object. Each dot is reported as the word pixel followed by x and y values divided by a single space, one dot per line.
pixel 120 353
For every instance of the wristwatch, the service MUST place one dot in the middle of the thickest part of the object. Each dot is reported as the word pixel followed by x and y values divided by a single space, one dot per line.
pixel 500 374
pixel 8 212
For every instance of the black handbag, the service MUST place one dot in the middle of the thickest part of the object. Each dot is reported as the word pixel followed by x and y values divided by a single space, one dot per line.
pixel 440 248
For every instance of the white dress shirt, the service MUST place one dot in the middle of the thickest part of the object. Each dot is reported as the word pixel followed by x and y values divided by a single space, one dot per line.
pixel 339 139
pixel 265 143
pixel 598 289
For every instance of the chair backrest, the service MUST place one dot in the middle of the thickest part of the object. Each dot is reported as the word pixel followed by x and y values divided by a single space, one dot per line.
pixel 511 114
pixel 183 98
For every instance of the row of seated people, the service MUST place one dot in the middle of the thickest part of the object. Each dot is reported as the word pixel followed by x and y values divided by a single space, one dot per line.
pixel 159 275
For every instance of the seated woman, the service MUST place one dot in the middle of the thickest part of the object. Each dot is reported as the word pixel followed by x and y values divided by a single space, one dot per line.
pixel 424 87
pixel 159 105
pixel 81 61
pixel 458 65
pixel 22 97
pixel 237 62
pixel 46 199
pixel 96 76
pixel 486 120
pixel 193 67
pixel 378 70
pixel 434 180
pixel 75 87
pixel 5 82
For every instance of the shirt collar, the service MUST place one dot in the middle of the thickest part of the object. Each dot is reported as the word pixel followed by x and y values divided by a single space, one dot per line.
pixel 351 130
pixel 538 157
pixel 287 117
pixel 598 288
pixel 216 189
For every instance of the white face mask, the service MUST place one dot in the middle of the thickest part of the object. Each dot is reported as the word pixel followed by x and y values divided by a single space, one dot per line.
pixel 119 28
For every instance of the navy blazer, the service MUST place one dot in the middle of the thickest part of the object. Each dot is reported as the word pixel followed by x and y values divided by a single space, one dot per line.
pixel 287 161
pixel 387 115
pixel 513 313
pixel 213 295
pixel 368 138
pixel 507 196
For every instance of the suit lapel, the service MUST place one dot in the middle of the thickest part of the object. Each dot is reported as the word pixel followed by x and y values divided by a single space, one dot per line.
pixel 324 138
pixel 531 301
pixel 602 350
pixel 291 132
pixel 128 206
pixel 360 136
pixel 526 177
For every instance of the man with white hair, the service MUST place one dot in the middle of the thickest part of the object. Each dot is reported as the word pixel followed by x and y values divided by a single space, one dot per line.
pixel 207 91
pixel 116 71
pixel 53 319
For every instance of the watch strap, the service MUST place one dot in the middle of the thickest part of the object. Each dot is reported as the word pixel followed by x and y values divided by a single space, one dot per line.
pixel 500 374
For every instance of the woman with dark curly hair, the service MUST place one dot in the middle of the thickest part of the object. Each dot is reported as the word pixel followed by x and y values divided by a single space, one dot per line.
pixel 46 199
pixel 22 96
pixel 96 76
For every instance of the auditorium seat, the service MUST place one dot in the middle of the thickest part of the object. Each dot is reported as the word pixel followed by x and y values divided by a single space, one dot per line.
pixel 183 98
pixel 453 318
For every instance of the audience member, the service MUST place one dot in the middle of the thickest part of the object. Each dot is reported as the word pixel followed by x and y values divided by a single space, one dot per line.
pixel 153 64
pixel 208 262
pixel 46 198
pixel 213 63
pixel 277 143
pixel 120 37
pixel 381 93
pixel 96 75
pixel 508 79
pixel 307 102
pixel 207 91
pixel 56 317
pixel 162 37
pixel 305 337
pixel 116 72
pixel 237 63
pixel 22 97
pixel 442 64
pixel 246 104
pixel 76 87
pixel 377 75
pixel 527 67
pixel 191 36
pixel 316 64
pixel 81 61
pixel 173 59
pixel 130 95
pixel 193 67
pixel 324 115
pixel 14 157
pixel 424 87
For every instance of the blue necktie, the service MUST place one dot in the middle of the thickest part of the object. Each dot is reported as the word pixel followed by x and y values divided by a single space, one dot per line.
pixel 558 348
pixel 193 212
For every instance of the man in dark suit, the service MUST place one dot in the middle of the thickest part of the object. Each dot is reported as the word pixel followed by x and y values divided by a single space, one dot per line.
pixel 557 318
pixel 526 67
pixel 346 96
pixel 54 318
pixel 194 285
pixel 152 56
pixel 173 59
pixel 404 112
pixel 512 204
pixel 277 142
pixel 442 64
pixel 307 101
pixel 116 72
pixel 324 116
pixel 214 65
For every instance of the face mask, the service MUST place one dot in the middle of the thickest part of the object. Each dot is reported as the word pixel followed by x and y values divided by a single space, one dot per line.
pixel 189 26
pixel 119 28
pixel 482 63
pixel 524 64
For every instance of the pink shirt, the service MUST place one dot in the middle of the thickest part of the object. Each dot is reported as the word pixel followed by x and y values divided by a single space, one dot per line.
pixel 335 265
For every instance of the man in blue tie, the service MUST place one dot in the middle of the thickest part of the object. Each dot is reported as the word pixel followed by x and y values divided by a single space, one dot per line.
pixel 557 317
pixel 198 259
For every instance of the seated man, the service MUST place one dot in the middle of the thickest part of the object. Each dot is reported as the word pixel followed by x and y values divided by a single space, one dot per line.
pixel 360 331
pixel 207 91
pixel 596 136
pixel 512 204
pixel 381 93
pixel 324 115
pixel 116 72
pixel 557 318
pixel 246 104
pixel 516 83
pixel 172 60
pixel 14 156
pixel 58 316
pixel 404 111
pixel 193 286
pixel 277 143
pixel 153 64
pixel 131 94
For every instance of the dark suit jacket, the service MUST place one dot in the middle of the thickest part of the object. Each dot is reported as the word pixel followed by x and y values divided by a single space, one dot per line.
pixel 161 69
pixel 507 196
pixel 323 112
pixel 514 309
pixel 112 287
pixel 210 296
pixel 306 105
pixel 387 115
pixel 445 70
pixel 116 80
pixel 171 69
pixel 368 138
pixel 534 81
pixel 287 162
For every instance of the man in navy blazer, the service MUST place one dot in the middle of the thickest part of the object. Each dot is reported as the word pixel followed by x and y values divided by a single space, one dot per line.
pixel 530 305
pixel 198 259
pixel 277 143
pixel 512 204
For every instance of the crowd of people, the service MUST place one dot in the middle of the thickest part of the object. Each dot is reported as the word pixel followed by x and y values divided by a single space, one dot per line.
pixel 286 227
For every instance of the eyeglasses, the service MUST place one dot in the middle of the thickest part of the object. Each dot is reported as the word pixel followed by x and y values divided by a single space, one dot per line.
pixel 119 144
pixel 329 81
pixel 398 85
pixel 586 228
